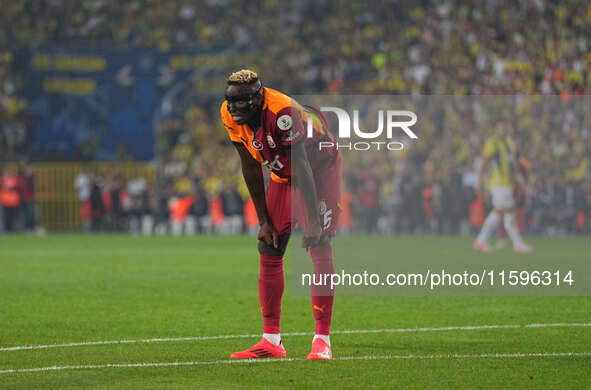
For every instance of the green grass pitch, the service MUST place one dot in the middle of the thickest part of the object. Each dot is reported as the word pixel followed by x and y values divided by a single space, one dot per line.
pixel 86 288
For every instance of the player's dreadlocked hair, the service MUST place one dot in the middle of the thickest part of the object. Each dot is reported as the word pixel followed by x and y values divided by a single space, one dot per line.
pixel 243 76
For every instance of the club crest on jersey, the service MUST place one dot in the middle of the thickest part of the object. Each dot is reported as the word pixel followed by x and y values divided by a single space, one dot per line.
pixel 270 141
pixel 258 145
pixel 284 122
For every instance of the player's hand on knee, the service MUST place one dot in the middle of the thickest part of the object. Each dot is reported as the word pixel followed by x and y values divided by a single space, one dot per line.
pixel 311 235
pixel 269 235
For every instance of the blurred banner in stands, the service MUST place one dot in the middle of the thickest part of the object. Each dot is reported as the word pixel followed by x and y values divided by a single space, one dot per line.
pixel 104 104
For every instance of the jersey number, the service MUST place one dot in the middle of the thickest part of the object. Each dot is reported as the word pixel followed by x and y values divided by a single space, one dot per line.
pixel 327 219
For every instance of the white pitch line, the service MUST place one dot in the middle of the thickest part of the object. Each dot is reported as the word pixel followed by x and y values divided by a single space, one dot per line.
pixel 282 360
pixel 554 325
pixel 244 336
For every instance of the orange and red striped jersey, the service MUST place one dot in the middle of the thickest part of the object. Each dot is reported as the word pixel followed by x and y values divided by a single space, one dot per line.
pixel 284 122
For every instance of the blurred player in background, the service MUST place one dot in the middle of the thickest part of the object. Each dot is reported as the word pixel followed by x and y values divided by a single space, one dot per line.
pixel 499 151
pixel 269 128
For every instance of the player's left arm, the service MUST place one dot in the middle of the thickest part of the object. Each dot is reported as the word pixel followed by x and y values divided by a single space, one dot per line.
pixel 290 129
pixel 304 177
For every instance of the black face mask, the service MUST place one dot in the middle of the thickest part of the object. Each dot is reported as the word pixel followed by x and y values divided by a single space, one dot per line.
pixel 247 98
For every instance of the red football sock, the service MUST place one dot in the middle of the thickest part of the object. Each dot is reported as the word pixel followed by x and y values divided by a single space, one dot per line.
pixel 322 296
pixel 271 286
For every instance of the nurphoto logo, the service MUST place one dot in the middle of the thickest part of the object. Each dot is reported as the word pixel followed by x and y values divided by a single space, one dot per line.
pixel 396 120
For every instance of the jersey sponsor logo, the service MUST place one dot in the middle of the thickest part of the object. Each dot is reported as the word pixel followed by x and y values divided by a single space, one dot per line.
pixel 276 165
pixel 258 145
pixel 270 141
pixel 284 122
pixel 291 136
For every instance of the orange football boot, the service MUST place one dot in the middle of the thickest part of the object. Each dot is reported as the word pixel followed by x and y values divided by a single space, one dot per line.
pixel 262 349
pixel 320 350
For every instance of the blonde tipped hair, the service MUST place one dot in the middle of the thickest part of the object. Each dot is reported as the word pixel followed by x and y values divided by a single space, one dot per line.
pixel 243 76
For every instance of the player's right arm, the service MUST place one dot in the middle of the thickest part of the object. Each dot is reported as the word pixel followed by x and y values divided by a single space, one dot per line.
pixel 253 176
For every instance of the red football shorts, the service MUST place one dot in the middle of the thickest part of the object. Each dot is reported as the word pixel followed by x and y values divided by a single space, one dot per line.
pixel 287 208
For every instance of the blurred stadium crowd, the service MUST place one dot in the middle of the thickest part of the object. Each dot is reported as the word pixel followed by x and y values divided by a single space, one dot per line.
pixel 419 48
